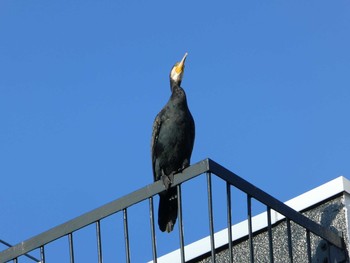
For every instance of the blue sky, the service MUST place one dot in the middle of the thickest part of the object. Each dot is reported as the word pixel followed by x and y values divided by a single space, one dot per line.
pixel 81 82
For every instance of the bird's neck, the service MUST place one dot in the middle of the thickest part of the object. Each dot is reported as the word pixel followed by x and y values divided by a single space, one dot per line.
pixel 178 95
pixel 174 84
pixel 177 90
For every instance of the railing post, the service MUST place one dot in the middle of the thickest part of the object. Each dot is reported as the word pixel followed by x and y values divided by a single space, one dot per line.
pixel 308 243
pixel 269 229
pixel 126 235
pixel 153 233
pixel 289 234
pixel 181 229
pixel 250 228
pixel 211 220
pixel 42 254
pixel 99 242
pixel 71 247
pixel 229 220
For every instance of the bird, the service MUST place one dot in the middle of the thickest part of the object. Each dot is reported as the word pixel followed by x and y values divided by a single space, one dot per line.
pixel 172 143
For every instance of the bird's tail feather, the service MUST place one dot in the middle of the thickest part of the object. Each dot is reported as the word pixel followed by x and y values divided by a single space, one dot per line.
pixel 167 211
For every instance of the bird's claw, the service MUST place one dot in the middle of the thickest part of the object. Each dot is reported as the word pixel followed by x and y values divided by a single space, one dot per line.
pixel 167 179
pixel 171 177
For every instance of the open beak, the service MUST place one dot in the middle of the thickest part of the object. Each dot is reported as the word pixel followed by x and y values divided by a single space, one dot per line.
pixel 180 66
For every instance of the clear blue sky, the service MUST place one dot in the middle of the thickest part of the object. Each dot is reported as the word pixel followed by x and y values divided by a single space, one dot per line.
pixel 81 82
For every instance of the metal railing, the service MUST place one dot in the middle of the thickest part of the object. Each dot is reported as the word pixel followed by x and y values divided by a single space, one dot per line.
pixel 207 167
pixel 26 255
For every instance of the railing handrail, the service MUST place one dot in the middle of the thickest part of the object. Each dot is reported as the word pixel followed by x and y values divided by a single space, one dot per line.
pixel 27 255
pixel 99 213
pixel 149 191
pixel 275 204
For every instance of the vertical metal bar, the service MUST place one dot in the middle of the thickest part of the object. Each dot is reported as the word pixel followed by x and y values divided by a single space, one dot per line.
pixel 71 249
pixel 99 242
pixel 328 251
pixel 308 243
pixel 153 232
pixel 126 236
pixel 269 229
pixel 42 254
pixel 181 230
pixel 229 221
pixel 289 234
pixel 250 228
pixel 15 260
pixel 211 221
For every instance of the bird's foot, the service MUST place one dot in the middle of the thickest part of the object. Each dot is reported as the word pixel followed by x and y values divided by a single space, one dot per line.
pixel 185 164
pixel 181 169
pixel 171 177
pixel 167 179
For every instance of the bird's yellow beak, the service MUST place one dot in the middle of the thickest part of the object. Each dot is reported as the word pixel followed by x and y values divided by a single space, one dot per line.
pixel 180 66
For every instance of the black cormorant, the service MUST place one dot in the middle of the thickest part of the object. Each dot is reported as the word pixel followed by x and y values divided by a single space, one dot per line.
pixel 171 146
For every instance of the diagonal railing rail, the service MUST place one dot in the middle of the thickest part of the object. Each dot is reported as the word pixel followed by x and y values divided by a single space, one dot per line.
pixel 207 167
pixel 26 255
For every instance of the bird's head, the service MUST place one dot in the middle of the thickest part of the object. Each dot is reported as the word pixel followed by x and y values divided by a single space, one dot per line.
pixel 177 72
